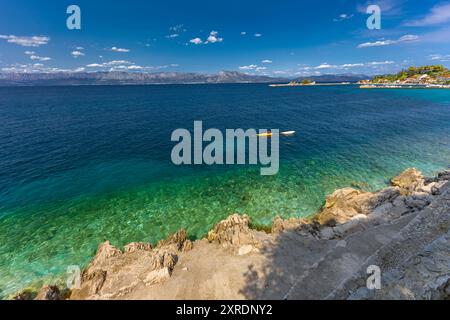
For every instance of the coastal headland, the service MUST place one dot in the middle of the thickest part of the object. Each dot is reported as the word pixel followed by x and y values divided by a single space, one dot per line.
pixel 403 229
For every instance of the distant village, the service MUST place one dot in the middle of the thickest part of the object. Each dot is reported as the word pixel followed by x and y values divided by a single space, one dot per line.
pixel 424 77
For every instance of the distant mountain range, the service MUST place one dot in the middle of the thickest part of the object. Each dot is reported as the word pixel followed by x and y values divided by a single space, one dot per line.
pixel 121 78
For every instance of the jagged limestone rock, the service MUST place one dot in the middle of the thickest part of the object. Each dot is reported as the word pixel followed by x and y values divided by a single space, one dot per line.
pixel 409 181
pixel 137 246
pixel 233 231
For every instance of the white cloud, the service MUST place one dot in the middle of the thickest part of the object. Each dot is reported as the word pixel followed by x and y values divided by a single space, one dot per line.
pixel 135 68
pixel 249 67
pixel 79 48
pixel 29 53
pixel 33 41
pixel 266 61
pixel 243 33
pixel 439 57
pixel 34 57
pixel 173 35
pixel 117 62
pixel 408 37
pixel 213 37
pixel 258 35
pixel 196 41
pixel 376 44
pixel 95 65
pixel 124 65
pixel 116 49
pixel 37 68
pixel 77 54
pixel 325 66
pixel 113 63
pixel 352 65
pixel 343 17
pixel 378 63
pixel 380 43
pixel 439 14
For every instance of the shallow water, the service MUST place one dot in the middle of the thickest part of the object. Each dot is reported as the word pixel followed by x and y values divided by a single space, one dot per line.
pixel 79 165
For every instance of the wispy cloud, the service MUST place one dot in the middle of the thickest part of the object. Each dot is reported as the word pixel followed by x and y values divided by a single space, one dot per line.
pixel 175 31
pixel 439 57
pixel 116 49
pixel 267 61
pixel 177 28
pixel 77 54
pixel 353 65
pixel 25 41
pixel 439 14
pixel 325 65
pixel 125 65
pixel 37 68
pixel 110 63
pixel 380 63
pixel 380 43
pixel 388 7
pixel 39 58
pixel 249 67
pixel 257 35
pixel 343 17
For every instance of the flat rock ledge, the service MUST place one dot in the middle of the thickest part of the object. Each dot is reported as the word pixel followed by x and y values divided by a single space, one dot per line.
pixel 325 257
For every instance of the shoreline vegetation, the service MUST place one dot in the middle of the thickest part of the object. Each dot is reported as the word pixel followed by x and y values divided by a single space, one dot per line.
pixel 404 229
pixel 425 77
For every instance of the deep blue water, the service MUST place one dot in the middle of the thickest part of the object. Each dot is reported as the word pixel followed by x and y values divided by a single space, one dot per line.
pixel 79 165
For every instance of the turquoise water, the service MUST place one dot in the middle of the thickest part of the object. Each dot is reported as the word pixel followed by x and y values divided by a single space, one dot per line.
pixel 80 165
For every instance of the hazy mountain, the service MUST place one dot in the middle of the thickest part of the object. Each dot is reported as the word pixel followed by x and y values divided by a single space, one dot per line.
pixel 347 77
pixel 111 78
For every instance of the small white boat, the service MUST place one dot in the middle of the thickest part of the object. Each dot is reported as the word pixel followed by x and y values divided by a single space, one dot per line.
pixel 287 133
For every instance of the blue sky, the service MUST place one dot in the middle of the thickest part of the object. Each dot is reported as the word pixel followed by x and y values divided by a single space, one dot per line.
pixel 277 38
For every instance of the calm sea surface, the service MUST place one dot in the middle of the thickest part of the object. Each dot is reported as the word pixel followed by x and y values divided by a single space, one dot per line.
pixel 79 165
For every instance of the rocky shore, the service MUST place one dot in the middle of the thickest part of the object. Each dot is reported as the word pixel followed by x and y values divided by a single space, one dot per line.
pixel 402 229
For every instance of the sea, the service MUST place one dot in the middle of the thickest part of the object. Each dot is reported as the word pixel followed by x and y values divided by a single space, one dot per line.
pixel 83 164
